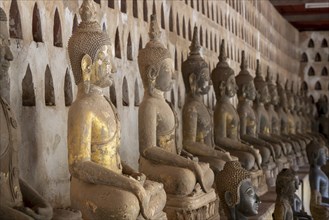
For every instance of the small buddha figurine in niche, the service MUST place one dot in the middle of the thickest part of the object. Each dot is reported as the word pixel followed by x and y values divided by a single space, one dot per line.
pixel 197 120
pixel 317 155
pixel 236 192
pixel 102 186
pixel 226 118
pixel 18 200
pixel 248 124
pixel 264 123
pixel 160 157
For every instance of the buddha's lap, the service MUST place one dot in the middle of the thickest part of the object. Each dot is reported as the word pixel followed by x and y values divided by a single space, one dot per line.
pixel 176 180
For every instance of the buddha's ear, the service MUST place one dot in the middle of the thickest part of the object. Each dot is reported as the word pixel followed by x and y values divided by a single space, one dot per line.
pixel 229 199
pixel 86 64
pixel 152 73
pixel 222 87
pixel 192 81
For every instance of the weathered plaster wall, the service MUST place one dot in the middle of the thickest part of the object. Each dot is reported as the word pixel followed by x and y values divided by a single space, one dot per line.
pixel 253 26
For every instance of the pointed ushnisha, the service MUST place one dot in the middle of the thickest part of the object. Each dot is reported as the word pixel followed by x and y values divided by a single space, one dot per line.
pixel 195 45
pixel 222 55
pixel 87 11
pixel 154 32
pixel 244 64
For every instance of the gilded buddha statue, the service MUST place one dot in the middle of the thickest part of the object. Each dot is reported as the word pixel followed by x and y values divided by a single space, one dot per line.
pixel 317 155
pixel 248 123
pixel 236 192
pixel 18 200
pixel 197 121
pixel 185 180
pixel 99 177
pixel 264 126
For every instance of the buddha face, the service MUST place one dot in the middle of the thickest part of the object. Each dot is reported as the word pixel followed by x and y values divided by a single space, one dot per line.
pixel 264 95
pixel 231 86
pixel 204 81
pixel 5 53
pixel 102 68
pixel 321 156
pixel 273 95
pixel 249 201
pixel 250 90
pixel 165 78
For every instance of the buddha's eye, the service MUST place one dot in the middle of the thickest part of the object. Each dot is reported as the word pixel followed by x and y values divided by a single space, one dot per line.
pixel 250 191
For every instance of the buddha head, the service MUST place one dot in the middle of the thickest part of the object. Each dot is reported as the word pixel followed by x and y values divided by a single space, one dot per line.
pixel 90 51
pixel 317 153
pixel 263 95
pixel 290 96
pixel 236 192
pixel 286 183
pixel 155 63
pixel 195 69
pixel 223 76
pixel 273 91
pixel 5 56
pixel 283 102
pixel 245 81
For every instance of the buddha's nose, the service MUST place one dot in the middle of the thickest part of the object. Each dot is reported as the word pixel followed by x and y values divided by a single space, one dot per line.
pixel 8 54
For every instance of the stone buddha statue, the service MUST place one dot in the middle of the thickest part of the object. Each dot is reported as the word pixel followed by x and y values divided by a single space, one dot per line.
pixel 160 158
pixel 248 123
pixel 226 118
pixel 237 193
pixel 102 186
pixel 18 200
pixel 197 121
pixel 317 155
pixel 283 110
pixel 264 121
pixel 275 123
pixel 288 205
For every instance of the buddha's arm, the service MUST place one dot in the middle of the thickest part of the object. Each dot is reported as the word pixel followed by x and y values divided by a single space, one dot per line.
pixel 279 212
pixel 190 125
pixel 148 149
pixel 81 166
pixel 33 199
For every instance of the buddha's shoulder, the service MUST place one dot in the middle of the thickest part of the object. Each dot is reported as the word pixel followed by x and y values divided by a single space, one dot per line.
pixel 82 106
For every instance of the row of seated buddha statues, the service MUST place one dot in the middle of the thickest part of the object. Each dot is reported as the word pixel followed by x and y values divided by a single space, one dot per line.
pixel 227 157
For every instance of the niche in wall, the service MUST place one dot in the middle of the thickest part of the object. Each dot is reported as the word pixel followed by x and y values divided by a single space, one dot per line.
pixel 28 94
pixel 113 94
pixel 137 98
pixel 49 88
pixel 36 25
pixel 15 26
pixel 125 92
pixel 68 94
pixel 57 31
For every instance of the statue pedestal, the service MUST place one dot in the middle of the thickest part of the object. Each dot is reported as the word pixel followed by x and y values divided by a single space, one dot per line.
pixel 200 205
pixel 258 180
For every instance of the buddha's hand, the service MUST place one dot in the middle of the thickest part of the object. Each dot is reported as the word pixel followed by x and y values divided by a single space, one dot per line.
pixel 39 214
pixel 199 171
pixel 140 177
pixel 226 156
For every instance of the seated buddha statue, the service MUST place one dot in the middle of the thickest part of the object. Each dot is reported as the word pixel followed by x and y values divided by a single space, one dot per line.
pixel 18 200
pixel 237 194
pixel 197 120
pixel 264 124
pixel 319 183
pixel 248 124
pixel 226 118
pixel 160 158
pixel 275 124
pixel 282 109
pixel 102 186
